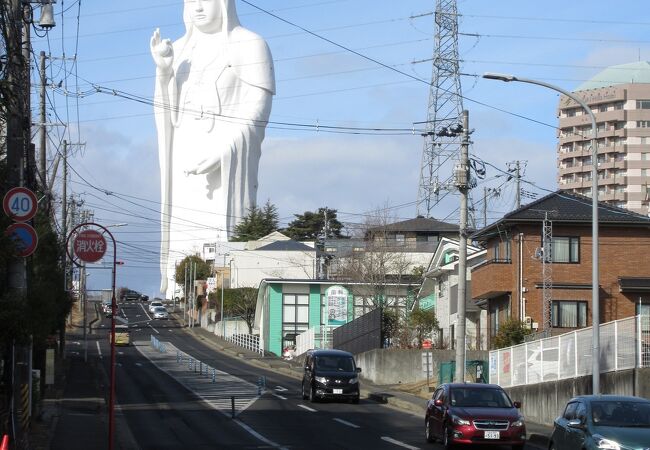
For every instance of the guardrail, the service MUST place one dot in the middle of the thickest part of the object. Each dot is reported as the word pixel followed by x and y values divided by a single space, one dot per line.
pixel 248 341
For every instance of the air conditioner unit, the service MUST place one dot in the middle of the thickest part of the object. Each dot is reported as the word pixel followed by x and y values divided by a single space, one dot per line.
pixel 528 321
pixel 535 326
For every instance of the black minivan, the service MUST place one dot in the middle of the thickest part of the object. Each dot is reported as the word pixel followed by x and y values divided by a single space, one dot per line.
pixel 330 374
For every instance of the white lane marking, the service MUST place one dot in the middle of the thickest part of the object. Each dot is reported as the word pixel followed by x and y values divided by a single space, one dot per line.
pixel 281 389
pixel 145 312
pixel 120 353
pixel 258 436
pixel 345 422
pixel 396 442
pixel 307 408
pixel 154 329
pixel 99 350
pixel 138 364
pixel 280 397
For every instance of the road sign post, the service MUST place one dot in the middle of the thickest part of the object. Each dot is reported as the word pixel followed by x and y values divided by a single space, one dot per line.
pixel 90 246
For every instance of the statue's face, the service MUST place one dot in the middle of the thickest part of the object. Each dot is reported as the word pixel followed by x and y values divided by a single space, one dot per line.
pixel 206 15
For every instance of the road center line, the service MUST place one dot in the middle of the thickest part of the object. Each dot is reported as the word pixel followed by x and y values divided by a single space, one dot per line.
pixel 396 442
pixel 307 408
pixel 99 350
pixel 154 329
pixel 345 422
pixel 280 397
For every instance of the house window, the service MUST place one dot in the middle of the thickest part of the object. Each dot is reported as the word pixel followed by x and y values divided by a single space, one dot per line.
pixel 643 104
pixel 362 306
pixel 618 105
pixel 400 239
pixel 643 123
pixel 497 251
pixel 568 314
pixel 565 249
pixel 602 108
pixel 295 317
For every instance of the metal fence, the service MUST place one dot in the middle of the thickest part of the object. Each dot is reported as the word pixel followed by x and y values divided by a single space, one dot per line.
pixel 624 344
pixel 360 335
pixel 250 342
pixel 315 337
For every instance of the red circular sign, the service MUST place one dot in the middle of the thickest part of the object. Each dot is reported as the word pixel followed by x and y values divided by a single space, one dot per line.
pixel 89 246
pixel 20 204
pixel 24 237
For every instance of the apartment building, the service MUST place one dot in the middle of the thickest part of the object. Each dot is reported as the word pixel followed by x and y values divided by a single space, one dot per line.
pixel 619 97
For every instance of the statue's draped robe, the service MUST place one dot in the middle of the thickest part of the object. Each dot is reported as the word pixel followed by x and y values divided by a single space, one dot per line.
pixel 219 102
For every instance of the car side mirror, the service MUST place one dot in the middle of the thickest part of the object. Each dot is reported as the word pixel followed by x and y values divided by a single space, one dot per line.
pixel 438 402
pixel 358 369
pixel 517 405
pixel 575 423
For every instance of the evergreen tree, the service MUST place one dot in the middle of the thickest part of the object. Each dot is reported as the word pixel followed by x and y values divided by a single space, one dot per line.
pixel 311 225
pixel 203 269
pixel 258 223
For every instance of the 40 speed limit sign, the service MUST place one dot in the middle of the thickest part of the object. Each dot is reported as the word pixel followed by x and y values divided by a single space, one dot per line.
pixel 20 204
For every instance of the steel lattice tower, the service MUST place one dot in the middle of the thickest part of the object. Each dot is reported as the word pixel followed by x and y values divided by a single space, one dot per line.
pixel 445 108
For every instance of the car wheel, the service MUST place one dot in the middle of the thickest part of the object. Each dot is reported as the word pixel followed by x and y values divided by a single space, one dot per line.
pixel 312 395
pixel 518 447
pixel 551 446
pixel 427 431
pixel 304 395
pixel 355 400
pixel 446 443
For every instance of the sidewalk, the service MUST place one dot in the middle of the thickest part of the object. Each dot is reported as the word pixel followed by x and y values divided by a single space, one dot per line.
pixel 538 434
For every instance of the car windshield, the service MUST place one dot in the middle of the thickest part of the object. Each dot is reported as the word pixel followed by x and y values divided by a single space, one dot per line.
pixel 159 309
pixel 614 413
pixel 335 363
pixel 479 398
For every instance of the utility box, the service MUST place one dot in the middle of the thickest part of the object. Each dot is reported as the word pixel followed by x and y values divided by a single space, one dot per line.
pixel 476 371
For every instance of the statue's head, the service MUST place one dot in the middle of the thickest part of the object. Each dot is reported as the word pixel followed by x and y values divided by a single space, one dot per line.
pixel 210 16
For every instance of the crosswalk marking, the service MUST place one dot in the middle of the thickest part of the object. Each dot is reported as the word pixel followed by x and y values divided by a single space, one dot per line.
pixel 218 394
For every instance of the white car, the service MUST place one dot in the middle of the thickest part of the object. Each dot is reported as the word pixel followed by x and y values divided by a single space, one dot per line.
pixel 154 305
pixel 160 312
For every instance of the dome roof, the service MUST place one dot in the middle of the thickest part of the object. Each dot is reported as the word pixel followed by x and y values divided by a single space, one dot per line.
pixel 636 72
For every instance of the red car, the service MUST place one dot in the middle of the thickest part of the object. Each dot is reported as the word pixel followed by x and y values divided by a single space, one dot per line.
pixel 465 414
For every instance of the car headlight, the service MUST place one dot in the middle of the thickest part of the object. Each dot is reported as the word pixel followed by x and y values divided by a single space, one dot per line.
pixel 354 380
pixel 519 422
pixel 606 444
pixel 322 380
pixel 458 421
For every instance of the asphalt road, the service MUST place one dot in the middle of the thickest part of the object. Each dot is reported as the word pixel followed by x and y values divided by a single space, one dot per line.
pixel 164 403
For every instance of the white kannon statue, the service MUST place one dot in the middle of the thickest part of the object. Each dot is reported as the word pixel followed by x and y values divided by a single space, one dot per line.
pixel 213 94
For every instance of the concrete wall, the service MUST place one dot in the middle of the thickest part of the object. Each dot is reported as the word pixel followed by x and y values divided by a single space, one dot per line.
pixel 386 366
pixel 543 402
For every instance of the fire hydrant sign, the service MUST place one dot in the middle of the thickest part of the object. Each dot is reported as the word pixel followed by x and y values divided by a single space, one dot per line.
pixel 20 204
pixel 89 246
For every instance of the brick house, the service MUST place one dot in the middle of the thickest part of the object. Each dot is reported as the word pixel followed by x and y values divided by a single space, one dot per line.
pixel 509 284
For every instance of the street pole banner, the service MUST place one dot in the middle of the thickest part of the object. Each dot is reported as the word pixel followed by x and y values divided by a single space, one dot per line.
pixel 336 298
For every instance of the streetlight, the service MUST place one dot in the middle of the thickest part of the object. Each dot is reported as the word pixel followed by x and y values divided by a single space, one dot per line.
pixel 595 300
pixel 223 280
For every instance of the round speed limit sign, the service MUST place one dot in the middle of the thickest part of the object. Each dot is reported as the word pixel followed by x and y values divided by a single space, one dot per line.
pixel 20 204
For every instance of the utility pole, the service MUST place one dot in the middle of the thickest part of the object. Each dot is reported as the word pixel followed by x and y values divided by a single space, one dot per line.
pixel 518 184
pixel 462 183
pixel 43 128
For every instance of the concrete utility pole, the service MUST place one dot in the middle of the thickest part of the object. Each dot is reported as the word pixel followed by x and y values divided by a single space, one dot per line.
pixel 43 128
pixel 518 184
pixel 462 183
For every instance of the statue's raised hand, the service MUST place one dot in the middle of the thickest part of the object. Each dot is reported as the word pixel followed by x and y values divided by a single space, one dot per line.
pixel 162 52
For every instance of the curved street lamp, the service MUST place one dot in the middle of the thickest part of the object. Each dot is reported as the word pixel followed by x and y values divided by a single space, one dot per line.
pixel 595 300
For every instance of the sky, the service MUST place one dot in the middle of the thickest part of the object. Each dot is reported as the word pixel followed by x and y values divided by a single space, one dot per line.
pixel 338 63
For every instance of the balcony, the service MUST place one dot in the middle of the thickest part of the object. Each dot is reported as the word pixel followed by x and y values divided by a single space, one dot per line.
pixel 493 276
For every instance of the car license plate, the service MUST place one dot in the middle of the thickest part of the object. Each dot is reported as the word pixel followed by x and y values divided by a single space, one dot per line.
pixel 338 391
pixel 491 435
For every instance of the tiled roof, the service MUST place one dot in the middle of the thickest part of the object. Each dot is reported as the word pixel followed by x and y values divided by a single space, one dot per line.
pixel 564 207
pixel 289 245
pixel 425 224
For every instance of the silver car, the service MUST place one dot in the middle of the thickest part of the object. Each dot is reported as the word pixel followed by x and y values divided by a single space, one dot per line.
pixel 153 305
pixel 160 312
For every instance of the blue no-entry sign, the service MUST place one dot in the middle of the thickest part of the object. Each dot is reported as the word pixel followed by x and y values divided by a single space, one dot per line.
pixel 24 237
pixel 20 204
